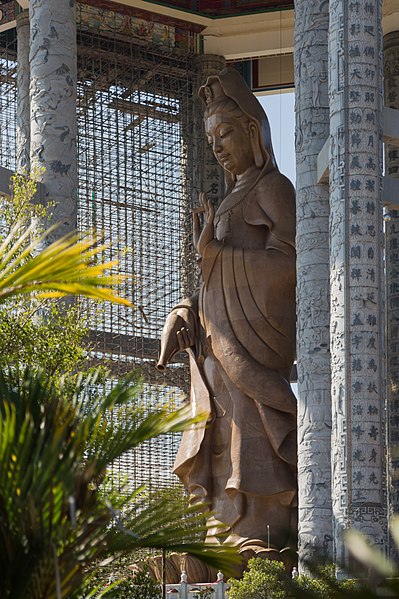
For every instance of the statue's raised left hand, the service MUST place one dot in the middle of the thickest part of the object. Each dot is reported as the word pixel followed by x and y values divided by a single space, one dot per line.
pixel 202 238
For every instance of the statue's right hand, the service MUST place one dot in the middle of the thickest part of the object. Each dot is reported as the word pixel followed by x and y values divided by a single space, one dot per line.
pixel 177 335
pixel 184 335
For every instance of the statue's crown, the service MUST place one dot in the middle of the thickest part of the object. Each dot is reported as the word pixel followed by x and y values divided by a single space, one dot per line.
pixel 212 91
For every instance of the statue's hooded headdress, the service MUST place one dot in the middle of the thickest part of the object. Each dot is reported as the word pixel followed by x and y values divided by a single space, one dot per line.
pixel 229 84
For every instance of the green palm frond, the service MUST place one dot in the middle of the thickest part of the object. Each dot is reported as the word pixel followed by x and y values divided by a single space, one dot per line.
pixel 55 516
pixel 59 512
pixel 68 266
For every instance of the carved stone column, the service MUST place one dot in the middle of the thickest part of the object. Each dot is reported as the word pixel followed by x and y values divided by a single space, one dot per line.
pixel 391 90
pixel 357 276
pixel 313 351
pixel 206 174
pixel 53 104
pixel 23 101
pixel 209 178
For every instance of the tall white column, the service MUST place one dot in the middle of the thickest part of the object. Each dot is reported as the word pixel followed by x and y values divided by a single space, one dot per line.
pixel 53 58
pixel 313 344
pixel 23 101
pixel 391 90
pixel 357 276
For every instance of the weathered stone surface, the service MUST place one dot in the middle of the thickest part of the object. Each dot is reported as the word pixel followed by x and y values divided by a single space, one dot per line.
pixel 53 104
pixel 356 272
pixel 313 312
pixel 23 101
pixel 209 174
pixel 391 89
pixel 240 333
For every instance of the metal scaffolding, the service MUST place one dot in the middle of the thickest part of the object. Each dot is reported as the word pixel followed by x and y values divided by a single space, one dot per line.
pixel 8 98
pixel 136 161
pixel 134 123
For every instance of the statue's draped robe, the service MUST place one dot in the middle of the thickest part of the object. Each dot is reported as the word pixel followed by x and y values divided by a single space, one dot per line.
pixel 244 316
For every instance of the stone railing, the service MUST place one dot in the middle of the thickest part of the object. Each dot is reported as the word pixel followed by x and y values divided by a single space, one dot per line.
pixel 203 590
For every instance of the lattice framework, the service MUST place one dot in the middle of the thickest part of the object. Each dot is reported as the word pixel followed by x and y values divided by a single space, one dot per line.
pixel 134 123
pixel 135 156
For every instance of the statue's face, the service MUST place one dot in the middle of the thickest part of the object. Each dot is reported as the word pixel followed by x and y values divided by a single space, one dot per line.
pixel 230 141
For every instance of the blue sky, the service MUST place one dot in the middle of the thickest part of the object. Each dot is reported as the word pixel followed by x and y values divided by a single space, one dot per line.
pixel 279 108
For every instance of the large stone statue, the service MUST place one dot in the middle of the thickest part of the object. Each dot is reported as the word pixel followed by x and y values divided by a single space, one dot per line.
pixel 239 330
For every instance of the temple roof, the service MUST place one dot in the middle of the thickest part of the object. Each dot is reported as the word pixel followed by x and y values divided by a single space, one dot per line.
pixel 223 8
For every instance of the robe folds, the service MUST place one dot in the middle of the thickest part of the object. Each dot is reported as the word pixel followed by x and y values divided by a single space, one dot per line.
pixel 244 317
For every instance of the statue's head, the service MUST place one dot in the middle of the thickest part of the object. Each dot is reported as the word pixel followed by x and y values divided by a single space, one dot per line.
pixel 227 97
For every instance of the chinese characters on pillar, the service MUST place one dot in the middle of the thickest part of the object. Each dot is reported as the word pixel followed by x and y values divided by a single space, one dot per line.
pixel 356 268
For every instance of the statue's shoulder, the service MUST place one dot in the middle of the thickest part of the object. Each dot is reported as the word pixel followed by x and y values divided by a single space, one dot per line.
pixel 274 187
pixel 273 204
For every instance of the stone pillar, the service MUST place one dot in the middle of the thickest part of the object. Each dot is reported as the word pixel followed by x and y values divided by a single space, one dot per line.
pixel 206 174
pixel 209 178
pixel 23 101
pixel 357 276
pixel 53 57
pixel 313 349
pixel 391 90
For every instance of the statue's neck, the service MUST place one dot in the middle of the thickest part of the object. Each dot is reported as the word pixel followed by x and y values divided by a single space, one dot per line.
pixel 238 193
pixel 246 178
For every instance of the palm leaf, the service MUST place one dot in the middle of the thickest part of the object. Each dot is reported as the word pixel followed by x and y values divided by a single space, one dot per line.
pixel 54 514
pixel 65 267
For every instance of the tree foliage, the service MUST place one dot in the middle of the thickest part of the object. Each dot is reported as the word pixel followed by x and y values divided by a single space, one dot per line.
pixel 48 338
pixel 68 266
pixel 36 329
pixel 138 585
pixel 269 580
pixel 58 510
